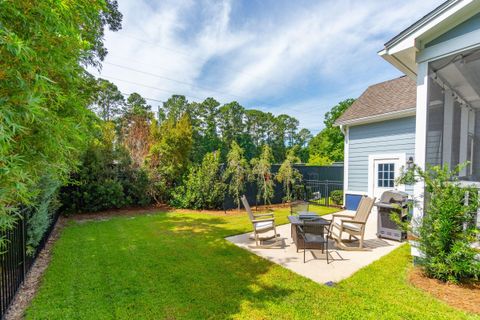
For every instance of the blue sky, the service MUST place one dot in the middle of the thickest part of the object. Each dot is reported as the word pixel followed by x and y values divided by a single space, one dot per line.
pixel 293 57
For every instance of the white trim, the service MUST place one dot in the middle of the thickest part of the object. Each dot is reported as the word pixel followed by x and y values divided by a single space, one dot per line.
pixel 456 45
pixel 380 117
pixel 401 51
pixel 357 193
pixel 346 148
pixel 420 139
pixel 401 157
pixel 407 38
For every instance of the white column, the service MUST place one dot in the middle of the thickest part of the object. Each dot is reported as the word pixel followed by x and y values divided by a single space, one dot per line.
pixel 346 132
pixel 420 141
pixel 447 129
pixel 464 139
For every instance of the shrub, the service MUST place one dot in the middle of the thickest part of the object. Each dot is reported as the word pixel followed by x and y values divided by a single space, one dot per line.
pixel 262 171
pixel 236 172
pixel 105 179
pixel 39 214
pixel 288 175
pixel 447 229
pixel 203 188
pixel 337 196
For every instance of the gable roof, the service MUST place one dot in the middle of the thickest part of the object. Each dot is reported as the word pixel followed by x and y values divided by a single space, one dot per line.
pixel 421 22
pixel 389 99
pixel 402 51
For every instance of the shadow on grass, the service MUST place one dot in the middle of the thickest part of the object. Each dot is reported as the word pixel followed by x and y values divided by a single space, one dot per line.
pixel 158 266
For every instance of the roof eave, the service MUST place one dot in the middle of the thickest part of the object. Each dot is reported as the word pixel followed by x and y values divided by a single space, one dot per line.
pixel 377 118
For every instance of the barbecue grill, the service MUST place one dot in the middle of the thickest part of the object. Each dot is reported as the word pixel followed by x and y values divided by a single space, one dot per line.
pixel 395 202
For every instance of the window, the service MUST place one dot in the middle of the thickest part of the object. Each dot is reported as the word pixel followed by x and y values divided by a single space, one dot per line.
pixel 386 175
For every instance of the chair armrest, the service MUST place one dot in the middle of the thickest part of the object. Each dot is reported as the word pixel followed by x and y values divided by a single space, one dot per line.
pixel 263 220
pixel 263 215
pixel 342 215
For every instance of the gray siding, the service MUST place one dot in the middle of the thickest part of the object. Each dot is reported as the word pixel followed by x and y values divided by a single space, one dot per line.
pixel 392 136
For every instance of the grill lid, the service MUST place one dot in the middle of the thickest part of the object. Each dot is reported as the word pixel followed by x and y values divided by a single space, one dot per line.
pixel 393 196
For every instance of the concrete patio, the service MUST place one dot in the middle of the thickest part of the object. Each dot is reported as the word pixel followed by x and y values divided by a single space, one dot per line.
pixel 342 263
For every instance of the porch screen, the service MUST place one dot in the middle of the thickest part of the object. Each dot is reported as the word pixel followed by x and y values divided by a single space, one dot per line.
pixel 434 125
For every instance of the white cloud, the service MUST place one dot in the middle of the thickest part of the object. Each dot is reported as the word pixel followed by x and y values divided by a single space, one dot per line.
pixel 211 48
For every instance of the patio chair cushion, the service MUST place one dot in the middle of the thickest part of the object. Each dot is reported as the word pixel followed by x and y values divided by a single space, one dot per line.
pixel 263 225
pixel 351 226
pixel 348 226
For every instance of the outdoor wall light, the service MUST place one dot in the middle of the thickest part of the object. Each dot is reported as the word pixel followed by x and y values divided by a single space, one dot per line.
pixel 410 163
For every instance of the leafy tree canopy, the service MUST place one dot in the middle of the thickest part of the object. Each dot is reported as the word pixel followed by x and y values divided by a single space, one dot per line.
pixel 45 90
pixel 328 143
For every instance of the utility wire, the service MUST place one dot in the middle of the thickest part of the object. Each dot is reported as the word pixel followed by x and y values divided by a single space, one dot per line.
pixel 200 87
pixel 193 58
pixel 179 81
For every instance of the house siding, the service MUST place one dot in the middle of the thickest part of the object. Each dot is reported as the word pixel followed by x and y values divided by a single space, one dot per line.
pixel 392 136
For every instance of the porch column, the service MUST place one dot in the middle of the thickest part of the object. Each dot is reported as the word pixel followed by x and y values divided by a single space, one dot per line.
pixel 420 142
pixel 447 128
pixel 464 139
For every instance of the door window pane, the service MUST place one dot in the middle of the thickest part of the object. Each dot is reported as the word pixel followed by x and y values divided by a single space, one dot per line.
pixel 386 175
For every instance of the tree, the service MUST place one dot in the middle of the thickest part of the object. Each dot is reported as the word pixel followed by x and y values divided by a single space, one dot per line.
pixel 45 91
pixel 231 122
pixel 109 101
pixel 137 105
pixel 261 169
pixel 236 172
pixel 288 175
pixel 175 107
pixel 328 143
pixel 203 188
pixel 301 141
pixel 168 157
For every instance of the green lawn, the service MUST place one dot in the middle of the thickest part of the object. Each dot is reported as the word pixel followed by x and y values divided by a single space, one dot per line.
pixel 178 266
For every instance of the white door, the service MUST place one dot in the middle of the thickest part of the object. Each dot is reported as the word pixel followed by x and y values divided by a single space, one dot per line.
pixel 383 171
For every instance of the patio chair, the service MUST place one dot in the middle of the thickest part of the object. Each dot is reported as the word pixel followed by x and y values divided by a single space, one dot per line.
pixel 353 225
pixel 308 231
pixel 262 223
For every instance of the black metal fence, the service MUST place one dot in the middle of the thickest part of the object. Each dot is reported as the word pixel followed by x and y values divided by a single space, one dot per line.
pixel 322 179
pixel 321 191
pixel 15 262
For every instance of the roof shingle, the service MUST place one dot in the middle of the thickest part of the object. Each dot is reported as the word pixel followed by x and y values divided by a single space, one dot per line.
pixel 386 97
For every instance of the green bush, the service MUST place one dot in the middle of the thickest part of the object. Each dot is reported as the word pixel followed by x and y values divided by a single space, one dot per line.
pixel 105 179
pixel 447 229
pixel 203 188
pixel 39 214
pixel 337 196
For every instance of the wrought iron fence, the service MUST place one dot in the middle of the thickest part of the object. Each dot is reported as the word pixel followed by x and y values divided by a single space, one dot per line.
pixel 323 179
pixel 320 192
pixel 15 262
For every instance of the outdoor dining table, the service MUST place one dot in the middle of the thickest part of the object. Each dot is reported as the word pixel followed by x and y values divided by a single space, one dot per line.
pixel 317 225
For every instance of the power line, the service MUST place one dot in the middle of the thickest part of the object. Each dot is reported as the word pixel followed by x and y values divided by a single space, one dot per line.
pixel 198 86
pixel 143 85
pixel 179 81
pixel 192 58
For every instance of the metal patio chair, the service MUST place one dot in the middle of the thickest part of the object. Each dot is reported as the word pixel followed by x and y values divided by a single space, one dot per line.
pixel 308 231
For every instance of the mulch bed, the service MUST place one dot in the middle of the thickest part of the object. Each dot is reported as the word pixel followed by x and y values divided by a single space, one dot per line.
pixel 464 296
